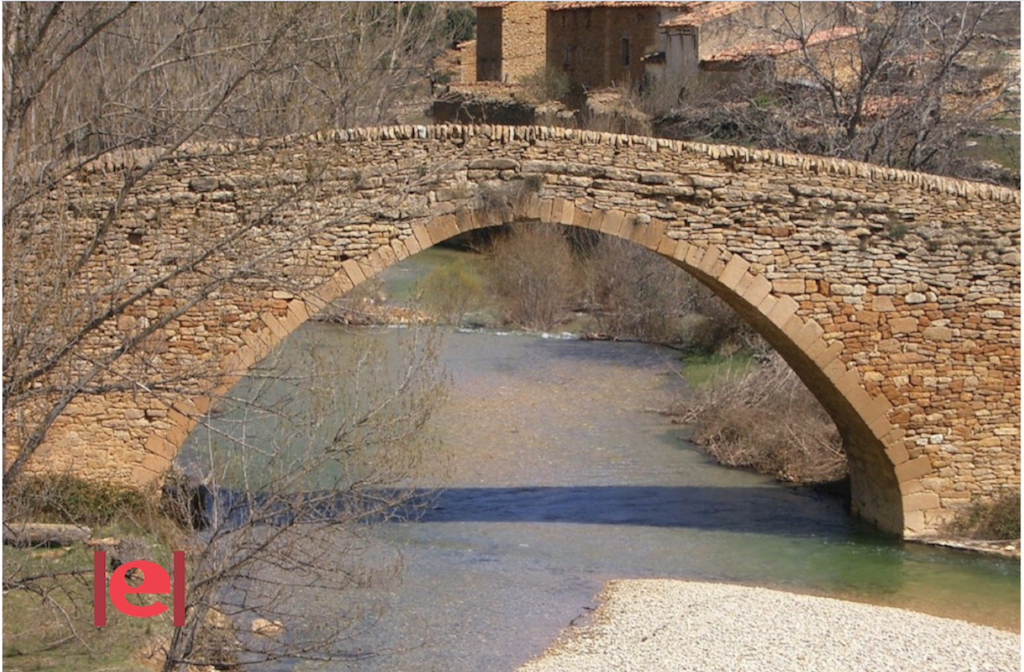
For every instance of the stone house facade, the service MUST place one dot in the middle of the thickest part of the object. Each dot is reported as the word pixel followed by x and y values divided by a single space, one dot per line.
pixel 510 40
pixel 600 44
pixel 603 44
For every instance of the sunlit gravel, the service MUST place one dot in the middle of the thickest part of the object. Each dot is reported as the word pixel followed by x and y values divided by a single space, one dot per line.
pixel 682 625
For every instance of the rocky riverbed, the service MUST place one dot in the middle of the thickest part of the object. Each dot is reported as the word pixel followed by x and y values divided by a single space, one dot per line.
pixel 684 625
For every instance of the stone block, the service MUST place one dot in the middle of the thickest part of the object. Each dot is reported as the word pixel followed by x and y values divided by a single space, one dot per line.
pixel 734 271
pixel 903 325
pixel 568 212
pixel 655 234
pixel 829 354
pixel 709 260
pixel 938 334
pixel 399 249
pixel 788 285
pixel 897 452
pixel 920 501
pixel 613 221
pixel 694 254
pixel 354 271
pixel 915 468
pixel 758 290
pixel 436 230
pixel 784 309
pixel 546 208
pixel 421 237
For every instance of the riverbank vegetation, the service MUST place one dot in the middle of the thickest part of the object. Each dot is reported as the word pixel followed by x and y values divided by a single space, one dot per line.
pixel 998 519
pixel 765 419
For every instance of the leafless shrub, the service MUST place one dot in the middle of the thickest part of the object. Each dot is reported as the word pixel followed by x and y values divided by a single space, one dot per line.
pixel 898 84
pixel 530 272
pixel 766 420
pixel 502 196
pixel 634 292
pixel 300 469
pixel 996 519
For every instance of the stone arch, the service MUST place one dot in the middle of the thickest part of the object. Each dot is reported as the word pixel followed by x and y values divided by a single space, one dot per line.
pixel 909 336
pixel 882 491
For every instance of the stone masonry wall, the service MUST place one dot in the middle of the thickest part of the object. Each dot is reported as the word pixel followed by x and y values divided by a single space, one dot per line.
pixel 895 296
pixel 523 40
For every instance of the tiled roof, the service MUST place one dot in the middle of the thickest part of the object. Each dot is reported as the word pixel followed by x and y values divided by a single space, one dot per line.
pixel 481 5
pixel 706 11
pixel 558 6
pixel 784 47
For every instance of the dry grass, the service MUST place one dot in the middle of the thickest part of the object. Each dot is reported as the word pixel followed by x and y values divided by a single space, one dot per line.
pixel 766 420
pixel 998 519
pixel 531 273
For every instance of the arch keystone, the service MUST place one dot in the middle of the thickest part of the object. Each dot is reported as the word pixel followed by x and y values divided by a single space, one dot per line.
pixel 547 206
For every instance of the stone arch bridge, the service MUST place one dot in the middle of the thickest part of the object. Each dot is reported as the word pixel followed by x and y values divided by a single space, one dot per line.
pixel 894 295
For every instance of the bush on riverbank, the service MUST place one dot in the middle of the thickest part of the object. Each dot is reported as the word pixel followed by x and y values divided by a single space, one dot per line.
pixel 531 275
pixel 766 420
pixel 998 519
pixel 452 291
pixel 539 276
pixel 64 498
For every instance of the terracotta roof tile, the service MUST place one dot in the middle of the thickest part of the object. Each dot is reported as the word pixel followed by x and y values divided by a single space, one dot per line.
pixel 559 6
pixel 779 48
pixel 706 11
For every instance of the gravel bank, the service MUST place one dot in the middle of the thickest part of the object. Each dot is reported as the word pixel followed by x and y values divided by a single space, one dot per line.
pixel 682 625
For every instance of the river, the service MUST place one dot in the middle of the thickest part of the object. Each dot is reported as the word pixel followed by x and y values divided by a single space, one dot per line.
pixel 561 477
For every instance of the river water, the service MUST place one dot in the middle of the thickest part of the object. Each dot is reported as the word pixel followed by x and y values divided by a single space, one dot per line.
pixel 561 477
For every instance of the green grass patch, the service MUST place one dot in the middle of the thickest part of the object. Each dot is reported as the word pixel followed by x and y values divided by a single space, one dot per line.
pixel 51 628
pixel 700 369
pixel 48 592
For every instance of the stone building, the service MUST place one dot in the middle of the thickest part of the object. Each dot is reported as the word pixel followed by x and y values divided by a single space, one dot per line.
pixel 603 44
pixel 510 40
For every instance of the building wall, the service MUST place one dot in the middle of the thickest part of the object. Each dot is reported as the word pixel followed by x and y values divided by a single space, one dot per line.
pixel 591 45
pixel 523 43
pixel 467 61
pixel 488 44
